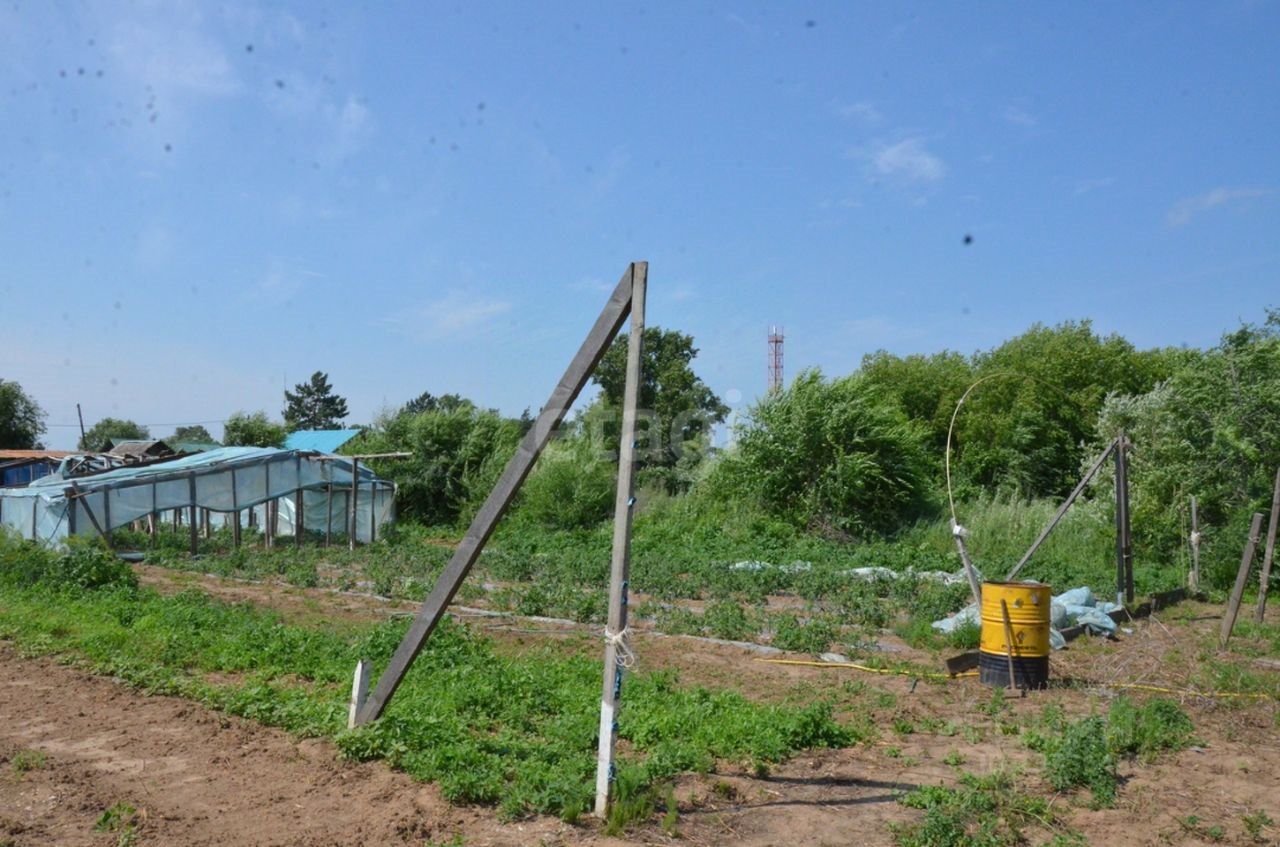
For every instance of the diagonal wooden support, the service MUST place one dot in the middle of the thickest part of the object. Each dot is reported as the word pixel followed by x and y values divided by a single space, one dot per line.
pixel 1062 510
pixel 482 526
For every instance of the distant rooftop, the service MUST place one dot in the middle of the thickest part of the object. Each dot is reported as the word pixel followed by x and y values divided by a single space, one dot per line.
pixel 319 440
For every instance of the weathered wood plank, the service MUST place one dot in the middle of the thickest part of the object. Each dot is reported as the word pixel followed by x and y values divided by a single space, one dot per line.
pixel 486 519
pixel 620 570
pixel 1242 577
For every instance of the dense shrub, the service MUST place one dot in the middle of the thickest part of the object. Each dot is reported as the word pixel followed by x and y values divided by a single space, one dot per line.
pixel 835 456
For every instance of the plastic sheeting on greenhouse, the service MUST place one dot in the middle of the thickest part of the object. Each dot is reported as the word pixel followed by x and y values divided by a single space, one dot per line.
pixel 226 481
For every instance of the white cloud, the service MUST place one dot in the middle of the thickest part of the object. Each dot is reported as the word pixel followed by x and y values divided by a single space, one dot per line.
pixel 1019 116
pixel 454 315
pixel 282 282
pixel 1087 185
pixel 1181 213
pixel 169 50
pixel 908 160
pixel 862 112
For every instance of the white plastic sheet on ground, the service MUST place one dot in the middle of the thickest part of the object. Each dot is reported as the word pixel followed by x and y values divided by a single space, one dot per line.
pixel 1075 607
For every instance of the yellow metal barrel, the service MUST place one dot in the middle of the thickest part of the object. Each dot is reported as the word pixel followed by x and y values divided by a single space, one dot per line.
pixel 1028 605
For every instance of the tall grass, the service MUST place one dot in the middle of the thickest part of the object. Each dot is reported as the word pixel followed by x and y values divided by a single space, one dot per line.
pixel 1081 550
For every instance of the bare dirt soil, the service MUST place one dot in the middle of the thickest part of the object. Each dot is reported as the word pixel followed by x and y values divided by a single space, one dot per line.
pixel 195 777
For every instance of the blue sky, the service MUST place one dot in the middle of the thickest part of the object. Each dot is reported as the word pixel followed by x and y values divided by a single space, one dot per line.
pixel 203 202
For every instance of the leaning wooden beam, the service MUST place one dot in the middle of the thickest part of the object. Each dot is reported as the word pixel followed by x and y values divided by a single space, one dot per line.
pixel 1062 510
pixel 971 573
pixel 482 526
pixel 1265 579
pixel 1242 577
pixel 616 651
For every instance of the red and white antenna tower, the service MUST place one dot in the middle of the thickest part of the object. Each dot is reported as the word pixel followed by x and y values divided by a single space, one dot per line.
pixel 775 359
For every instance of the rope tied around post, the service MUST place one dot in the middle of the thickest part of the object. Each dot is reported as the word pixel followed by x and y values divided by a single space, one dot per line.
pixel 625 656
pixel 958 531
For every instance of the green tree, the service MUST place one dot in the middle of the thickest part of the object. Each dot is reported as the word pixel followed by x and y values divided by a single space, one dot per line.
pixel 113 429
pixel 1212 430
pixel 196 433
pixel 926 387
pixel 838 457
pixel 313 405
pixel 253 430
pixel 1024 430
pixel 21 418
pixel 458 453
pixel 428 402
pixel 678 409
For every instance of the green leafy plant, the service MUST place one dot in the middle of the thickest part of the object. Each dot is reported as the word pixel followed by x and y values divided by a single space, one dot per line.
pixel 1081 758
pixel 982 811
pixel 27 760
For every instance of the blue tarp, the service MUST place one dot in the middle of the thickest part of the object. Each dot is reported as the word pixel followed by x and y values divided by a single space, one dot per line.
pixel 320 440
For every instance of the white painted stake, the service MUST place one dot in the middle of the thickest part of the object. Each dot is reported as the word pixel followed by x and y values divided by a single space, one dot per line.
pixel 615 647
pixel 359 691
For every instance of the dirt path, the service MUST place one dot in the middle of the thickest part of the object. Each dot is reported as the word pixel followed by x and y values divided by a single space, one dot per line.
pixel 198 777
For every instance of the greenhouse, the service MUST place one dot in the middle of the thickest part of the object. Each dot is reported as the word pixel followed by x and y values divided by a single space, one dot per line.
pixel 236 486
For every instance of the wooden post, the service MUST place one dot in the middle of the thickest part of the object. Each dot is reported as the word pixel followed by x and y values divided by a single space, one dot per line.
pixel 191 489
pixel 1062 510
pixel 518 467
pixel 615 648
pixel 266 505
pixel 297 517
pixel 153 517
pixel 328 521
pixel 1124 547
pixel 106 518
pixel 235 511
pixel 971 573
pixel 1008 645
pixel 1268 552
pixel 1194 581
pixel 297 501
pixel 354 497
pixel 1237 591
pixel 359 692
pixel 373 512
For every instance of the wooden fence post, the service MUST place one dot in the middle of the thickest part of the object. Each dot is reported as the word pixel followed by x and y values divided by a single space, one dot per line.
pixel 1194 581
pixel 235 511
pixel 616 652
pixel 1233 604
pixel 354 497
pixel 1265 579
pixel 191 489
pixel 1124 545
